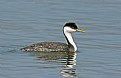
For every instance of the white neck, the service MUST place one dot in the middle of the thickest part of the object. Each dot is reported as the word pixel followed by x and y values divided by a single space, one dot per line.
pixel 70 38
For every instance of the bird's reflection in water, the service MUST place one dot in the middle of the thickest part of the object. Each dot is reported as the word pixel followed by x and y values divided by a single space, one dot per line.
pixel 68 59
pixel 69 70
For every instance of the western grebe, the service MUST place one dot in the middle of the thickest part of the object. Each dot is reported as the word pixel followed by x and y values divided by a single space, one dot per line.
pixel 58 46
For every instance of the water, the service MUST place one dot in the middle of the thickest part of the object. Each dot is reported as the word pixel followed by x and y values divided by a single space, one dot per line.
pixel 24 22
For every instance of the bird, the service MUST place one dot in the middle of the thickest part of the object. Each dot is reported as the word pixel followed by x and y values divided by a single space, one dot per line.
pixel 70 46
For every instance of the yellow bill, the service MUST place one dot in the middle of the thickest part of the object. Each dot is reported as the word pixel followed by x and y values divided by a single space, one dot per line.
pixel 80 30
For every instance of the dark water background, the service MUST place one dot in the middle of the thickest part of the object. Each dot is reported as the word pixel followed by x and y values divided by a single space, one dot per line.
pixel 23 22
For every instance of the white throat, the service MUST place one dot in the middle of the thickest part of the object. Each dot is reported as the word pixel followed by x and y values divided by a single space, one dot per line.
pixel 67 32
